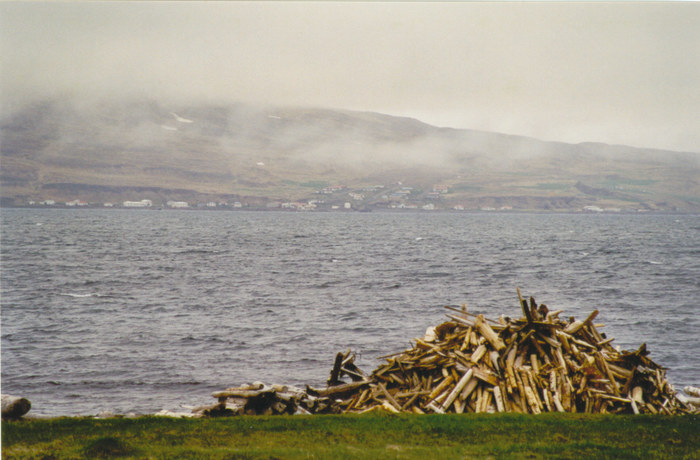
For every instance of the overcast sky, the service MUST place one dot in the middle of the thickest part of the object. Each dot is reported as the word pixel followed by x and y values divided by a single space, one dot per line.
pixel 626 73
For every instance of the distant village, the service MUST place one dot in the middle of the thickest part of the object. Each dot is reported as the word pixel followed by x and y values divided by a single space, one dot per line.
pixel 329 198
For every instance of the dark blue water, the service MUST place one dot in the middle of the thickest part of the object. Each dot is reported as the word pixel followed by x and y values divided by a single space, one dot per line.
pixel 138 311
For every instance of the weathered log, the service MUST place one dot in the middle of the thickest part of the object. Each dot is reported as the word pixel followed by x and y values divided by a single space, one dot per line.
pixel 338 389
pixel 488 333
pixel 14 406
pixel 692 391
pixel 526 309
pixel 334 378
pixel 458 388
pixel 235 393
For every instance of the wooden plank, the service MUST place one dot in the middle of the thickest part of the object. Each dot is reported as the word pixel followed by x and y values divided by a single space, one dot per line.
pixel 410 402
pixel 552 342
pixel 488 333
pixel 485 376
pixel 487 403
pixel 621 371
pixel 441 397
pixel 557 402
pixel 547 397
pixel 615 398
pixel 468 389
pixel 593 329
pixel 542 353
pixel 438 389
pixel 521 392
pixel 560 359
pixel 344 388
pixel 458 388
pixel 390 399
pixel 510 372
pixel 493 355
pixel 364 396
pixel 334 378
pixel 466 343
pixel 465 314
pixel 574 327
pixel 523 305
pixel 479 400
pixel 435 408
pixel 500 406
pixel 535 364
pixel 635 409
pixel 504 397
pixel 604 367
pixel 531 400
pixel 463 321
pixel 638 395
pixel 478 353
pixel 591 317
pixel 233 393
pixel 533 386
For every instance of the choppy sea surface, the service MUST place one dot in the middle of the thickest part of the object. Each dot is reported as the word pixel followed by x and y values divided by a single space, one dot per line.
pixel 138 311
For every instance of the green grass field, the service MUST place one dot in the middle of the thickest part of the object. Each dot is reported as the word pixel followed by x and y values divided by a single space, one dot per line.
pixel 353 437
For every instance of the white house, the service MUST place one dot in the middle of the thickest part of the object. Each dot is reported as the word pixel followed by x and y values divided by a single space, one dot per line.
pixel 138 204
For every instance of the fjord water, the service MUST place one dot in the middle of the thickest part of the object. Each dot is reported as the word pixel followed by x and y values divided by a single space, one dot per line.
pixel 138 311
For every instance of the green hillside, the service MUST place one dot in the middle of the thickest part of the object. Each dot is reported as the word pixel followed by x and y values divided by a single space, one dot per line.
pixel 106 151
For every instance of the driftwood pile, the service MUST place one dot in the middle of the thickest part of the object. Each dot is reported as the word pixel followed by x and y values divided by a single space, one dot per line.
pixel 538 363
pixel 260 399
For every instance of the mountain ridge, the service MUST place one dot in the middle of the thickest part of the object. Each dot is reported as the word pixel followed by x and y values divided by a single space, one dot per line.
pixel 262 155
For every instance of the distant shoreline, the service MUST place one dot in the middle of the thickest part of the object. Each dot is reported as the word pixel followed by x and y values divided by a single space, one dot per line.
pixel 359 211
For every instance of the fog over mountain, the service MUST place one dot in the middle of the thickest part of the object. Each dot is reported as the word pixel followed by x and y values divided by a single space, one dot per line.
pixel 613 72
pixel 99 151
pixel 359 105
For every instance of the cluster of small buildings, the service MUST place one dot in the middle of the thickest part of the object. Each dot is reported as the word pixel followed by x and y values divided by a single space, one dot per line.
pixel 491 208
pixel 76 203
pixel 425 207
pixel 179 204
pixel 403 198
pixel 299 206
pixel 398 196
pixel 599 209
pixel 137 204
pixel 331 189
pixel 310 205
pixel 403 192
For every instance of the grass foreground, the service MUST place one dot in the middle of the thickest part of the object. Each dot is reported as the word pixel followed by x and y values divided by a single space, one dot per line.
pixel 374 436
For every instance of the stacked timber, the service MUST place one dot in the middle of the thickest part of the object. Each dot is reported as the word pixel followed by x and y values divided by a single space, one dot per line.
pixel 258 398
pixel 538 363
